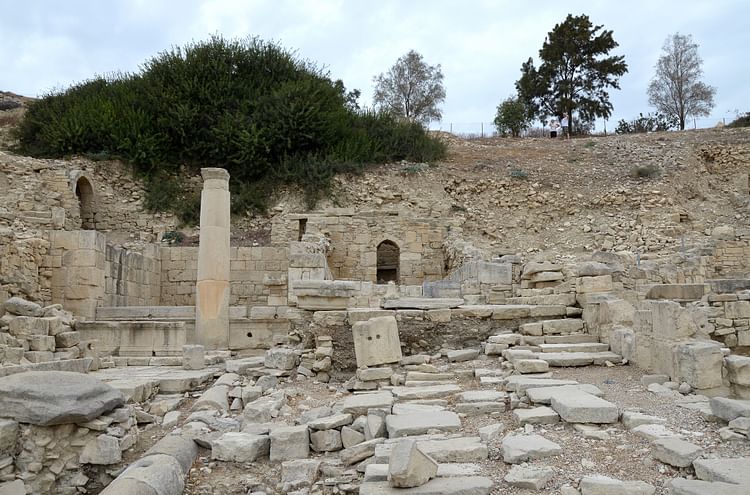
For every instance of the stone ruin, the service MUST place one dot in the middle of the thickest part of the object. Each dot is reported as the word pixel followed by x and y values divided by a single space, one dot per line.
pixel 416 334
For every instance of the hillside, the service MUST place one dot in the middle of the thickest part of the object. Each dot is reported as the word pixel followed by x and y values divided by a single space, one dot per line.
pixel 547 195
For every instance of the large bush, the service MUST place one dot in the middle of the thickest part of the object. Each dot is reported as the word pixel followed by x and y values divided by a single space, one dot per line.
pixel 248 106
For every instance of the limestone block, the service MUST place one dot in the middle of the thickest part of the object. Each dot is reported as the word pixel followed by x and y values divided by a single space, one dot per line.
pixel 240 447
pixel 675 452
pixel 15 487
pixel 358 405
pixel 289 442
pixel 588 285
pixel 737 310
pixel 416 424
pixel 360 451
pixel 459 485
pixel 281 358
pixel 42 343
pixel 461 355
pixel 535 267
pixel 330 422
pixel 699 363
pixel 8 436
pixel 677 292
pixel 727 470
pixel 25 326
pixel 581 407
pixel 299 474
pixel 531 366
pixel 532 329
pixel 376 341
pixel 729 409
pixel 193 357
pixel 521 448
pixel 536 416
pixel 682 486
pixel 351 437
pixel 21 307
pixel 511 312
pixel 374 374
pixel 738 369
pixel 529 477
pixel 326 440
pixel 103 450
pixel 602 485
pixel 409 467
pixel 67 339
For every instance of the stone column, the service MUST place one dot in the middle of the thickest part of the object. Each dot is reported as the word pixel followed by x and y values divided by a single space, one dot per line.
pixel 212 287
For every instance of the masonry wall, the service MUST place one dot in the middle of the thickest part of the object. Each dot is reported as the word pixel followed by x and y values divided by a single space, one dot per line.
pixel 732 259
pixel 354 240
pixel 132 278
pixel 256 273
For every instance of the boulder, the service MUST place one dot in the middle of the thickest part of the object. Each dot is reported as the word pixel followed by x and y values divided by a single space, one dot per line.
pixel 56 397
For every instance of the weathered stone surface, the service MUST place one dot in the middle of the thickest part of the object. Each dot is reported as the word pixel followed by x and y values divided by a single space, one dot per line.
pixel 738 369
pixel 482 396
pixel 22 307
pixel 478 408
pixel 729 409
pixel 326 440
pixel 543 395
pixel 423 303
pixel 374 374
pixel 426 392
pixel 529 477
pixel 531 365
pixel 462 355
pixel 358 405
pixel 409 467
pixel 580 407
pixel 289 443
pixel 360 451
pixel 8 436
pixel 459 485
pixel 521 448
pixel 536 416
pixel 632 419
pixel 299 474
pixel 330 422
pixel 56 397
pixel 675 452
pixel 602 485
pixel 281 358
pixel 728 470
pixel 460 449
pixel 351 437
pixel 402 425
pixel 653 432
pixel 264 409
pixel 681 486
pixel 520 384
pixel 240 447
pixel 376 341
pixel 15 487
pixel 699 363
pixel 194 357
pixel 104 449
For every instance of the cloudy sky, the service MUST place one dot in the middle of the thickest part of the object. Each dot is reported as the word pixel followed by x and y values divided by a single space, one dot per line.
pixel 480 44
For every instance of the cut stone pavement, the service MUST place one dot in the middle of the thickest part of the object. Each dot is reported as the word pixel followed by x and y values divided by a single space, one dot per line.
pixel 580 407
pixel 521 448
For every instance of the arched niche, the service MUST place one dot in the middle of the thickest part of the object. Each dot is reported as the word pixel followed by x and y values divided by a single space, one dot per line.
pixel 85 194
pixel 388 262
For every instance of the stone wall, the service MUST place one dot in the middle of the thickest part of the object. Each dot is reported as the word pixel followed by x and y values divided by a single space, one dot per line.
pixel 132 278
pixel 48 194
pixel 355 237
pixel 22 271
pixel 258 275
pixel 732 259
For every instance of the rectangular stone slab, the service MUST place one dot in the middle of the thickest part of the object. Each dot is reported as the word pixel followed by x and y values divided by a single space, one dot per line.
pixel 729 470
pixel 462 449
pixel 543 395
pixel 520 384
pixel 460 485
pixel 422 303
pixel 580 407
pixel 402 425
pixel 581 347
pixel 357 405
pixel 431 392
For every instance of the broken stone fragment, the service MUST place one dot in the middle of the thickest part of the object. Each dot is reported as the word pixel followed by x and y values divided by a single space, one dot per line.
pixel 408 466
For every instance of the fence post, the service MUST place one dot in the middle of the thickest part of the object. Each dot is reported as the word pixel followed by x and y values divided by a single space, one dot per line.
pixel 482 124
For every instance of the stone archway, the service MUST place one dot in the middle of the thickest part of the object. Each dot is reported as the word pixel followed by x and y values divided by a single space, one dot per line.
pixel 388 262
pixel 85 194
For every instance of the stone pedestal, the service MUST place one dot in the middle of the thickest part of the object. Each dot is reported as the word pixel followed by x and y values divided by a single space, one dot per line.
pixel 212 286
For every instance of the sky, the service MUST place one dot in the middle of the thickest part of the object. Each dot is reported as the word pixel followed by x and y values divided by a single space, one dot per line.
pixel 480 44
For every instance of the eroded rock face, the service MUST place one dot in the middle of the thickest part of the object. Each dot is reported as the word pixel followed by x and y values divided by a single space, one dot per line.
pixel 52 398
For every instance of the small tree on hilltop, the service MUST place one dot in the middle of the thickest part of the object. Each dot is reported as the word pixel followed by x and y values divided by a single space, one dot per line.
pixel 575 73
pixel 411 89
pixel 676 89
pixel 512 117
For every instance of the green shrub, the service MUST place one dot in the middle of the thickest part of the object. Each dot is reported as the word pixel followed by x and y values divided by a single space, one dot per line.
pixel 741 121
pixel 245 105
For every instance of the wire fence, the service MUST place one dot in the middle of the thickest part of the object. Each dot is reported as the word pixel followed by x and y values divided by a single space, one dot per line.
pixel 602 127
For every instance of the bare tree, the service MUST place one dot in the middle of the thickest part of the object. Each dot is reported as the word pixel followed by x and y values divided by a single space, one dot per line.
pixel 411 89
pixel 676 89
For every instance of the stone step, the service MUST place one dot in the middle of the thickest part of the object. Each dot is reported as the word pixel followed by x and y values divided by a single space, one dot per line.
pixel 107 313
pixel 573 338
pixel 543 395
pixel 459 449
pixel 582 407
pixel 422 303
pixel 401 425
pixel 429 392
pixel 379 472
pixel 728 470
pixel 81 365
pixel 136 338
pixel 571 359
pixel 556 299
pixel 682 486
pixel 460 485
pixel 578 347
pixel 520 383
